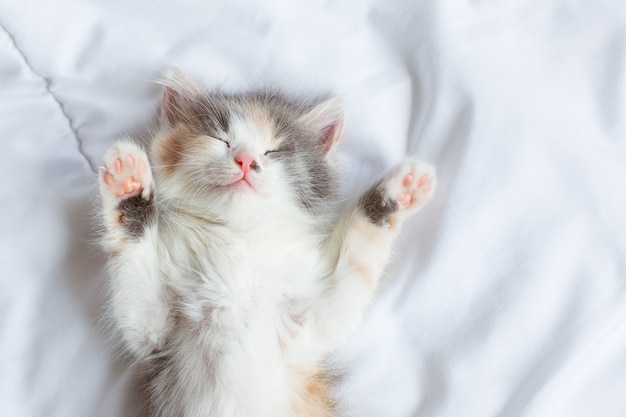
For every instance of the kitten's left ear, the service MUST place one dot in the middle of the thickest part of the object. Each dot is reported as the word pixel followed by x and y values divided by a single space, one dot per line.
pixel 179 90
pixel 327 119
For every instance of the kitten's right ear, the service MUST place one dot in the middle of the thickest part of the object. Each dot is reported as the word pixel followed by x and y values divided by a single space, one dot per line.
pixel 327 119
pixel 178 92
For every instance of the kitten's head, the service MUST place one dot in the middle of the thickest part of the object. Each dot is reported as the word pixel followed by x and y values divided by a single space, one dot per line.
pixel 255 150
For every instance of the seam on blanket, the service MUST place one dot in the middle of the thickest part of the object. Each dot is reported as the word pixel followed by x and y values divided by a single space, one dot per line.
pixel 48 83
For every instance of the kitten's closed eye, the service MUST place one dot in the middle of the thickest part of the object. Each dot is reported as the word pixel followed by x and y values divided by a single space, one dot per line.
pixel 227 143
pixel 283 148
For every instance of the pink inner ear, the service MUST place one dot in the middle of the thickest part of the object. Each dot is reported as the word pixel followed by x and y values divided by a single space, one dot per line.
pixel 327 118
pixel 330 135
pixel 168 105
pixel 178 89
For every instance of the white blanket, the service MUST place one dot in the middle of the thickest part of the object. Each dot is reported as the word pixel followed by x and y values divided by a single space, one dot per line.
pixel 506 296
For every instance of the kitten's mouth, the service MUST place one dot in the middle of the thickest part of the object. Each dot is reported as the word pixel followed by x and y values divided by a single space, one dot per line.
pixel 242 183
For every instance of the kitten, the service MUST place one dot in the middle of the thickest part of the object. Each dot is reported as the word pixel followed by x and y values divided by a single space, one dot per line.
pixel 229 274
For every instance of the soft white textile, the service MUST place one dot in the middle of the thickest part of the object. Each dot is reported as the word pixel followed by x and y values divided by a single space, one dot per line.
pixel 506 296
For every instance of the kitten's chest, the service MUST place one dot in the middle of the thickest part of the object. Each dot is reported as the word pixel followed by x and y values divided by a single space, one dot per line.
pixel 244 295
pixel 244 289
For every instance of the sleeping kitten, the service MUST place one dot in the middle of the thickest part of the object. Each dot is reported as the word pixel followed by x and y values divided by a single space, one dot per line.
pixel 229 275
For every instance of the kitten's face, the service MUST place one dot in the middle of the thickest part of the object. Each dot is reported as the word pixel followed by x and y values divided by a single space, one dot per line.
pixel 245 149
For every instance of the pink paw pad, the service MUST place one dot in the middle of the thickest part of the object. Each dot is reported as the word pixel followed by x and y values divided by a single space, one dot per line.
pixel 405 199
pixel 414 185
pixel 124 184
pixel 108 179
pixel 423 183
pixel 125 173
pixel 128 186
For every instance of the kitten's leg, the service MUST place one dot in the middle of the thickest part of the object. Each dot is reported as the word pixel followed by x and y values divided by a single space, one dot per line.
pixel 362 244
pixel 128 212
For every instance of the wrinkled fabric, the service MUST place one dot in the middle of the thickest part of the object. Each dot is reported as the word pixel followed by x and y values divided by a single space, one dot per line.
pixel 505 296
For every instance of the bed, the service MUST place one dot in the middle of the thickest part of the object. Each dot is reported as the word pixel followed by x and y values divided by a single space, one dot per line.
pixel 506 296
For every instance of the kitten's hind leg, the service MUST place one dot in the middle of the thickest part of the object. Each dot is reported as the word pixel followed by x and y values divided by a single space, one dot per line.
pixel 138 303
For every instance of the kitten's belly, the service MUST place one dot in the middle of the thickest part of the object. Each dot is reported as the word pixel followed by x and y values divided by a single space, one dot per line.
pixel 227 351
pixel 233 359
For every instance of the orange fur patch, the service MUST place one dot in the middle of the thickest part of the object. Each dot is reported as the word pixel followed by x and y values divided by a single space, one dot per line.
pixel 169 150
pixel 261 120
pixel 363 270
pixel 316 400
pixel 264 125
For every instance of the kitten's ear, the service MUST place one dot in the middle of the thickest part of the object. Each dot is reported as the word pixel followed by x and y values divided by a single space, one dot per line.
pixel 179 90
pixel 327 119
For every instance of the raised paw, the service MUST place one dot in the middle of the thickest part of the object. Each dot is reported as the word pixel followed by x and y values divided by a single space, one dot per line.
pixel 412 184
pixel 125 173
pixel 402 192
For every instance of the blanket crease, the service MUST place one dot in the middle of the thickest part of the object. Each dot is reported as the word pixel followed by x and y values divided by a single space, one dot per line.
pixel 48 85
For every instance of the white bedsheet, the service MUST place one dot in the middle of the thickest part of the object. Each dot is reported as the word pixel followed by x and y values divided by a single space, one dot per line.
pixel 506 296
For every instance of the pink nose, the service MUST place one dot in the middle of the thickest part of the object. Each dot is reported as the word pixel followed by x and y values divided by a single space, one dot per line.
pixel 245 162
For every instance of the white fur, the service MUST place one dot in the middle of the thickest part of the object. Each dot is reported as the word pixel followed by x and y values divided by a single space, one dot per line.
pixel 240 293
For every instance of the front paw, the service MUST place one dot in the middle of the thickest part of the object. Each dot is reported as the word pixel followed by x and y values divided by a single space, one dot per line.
pixel 127 187
pixel 404 191
pixel 126 173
